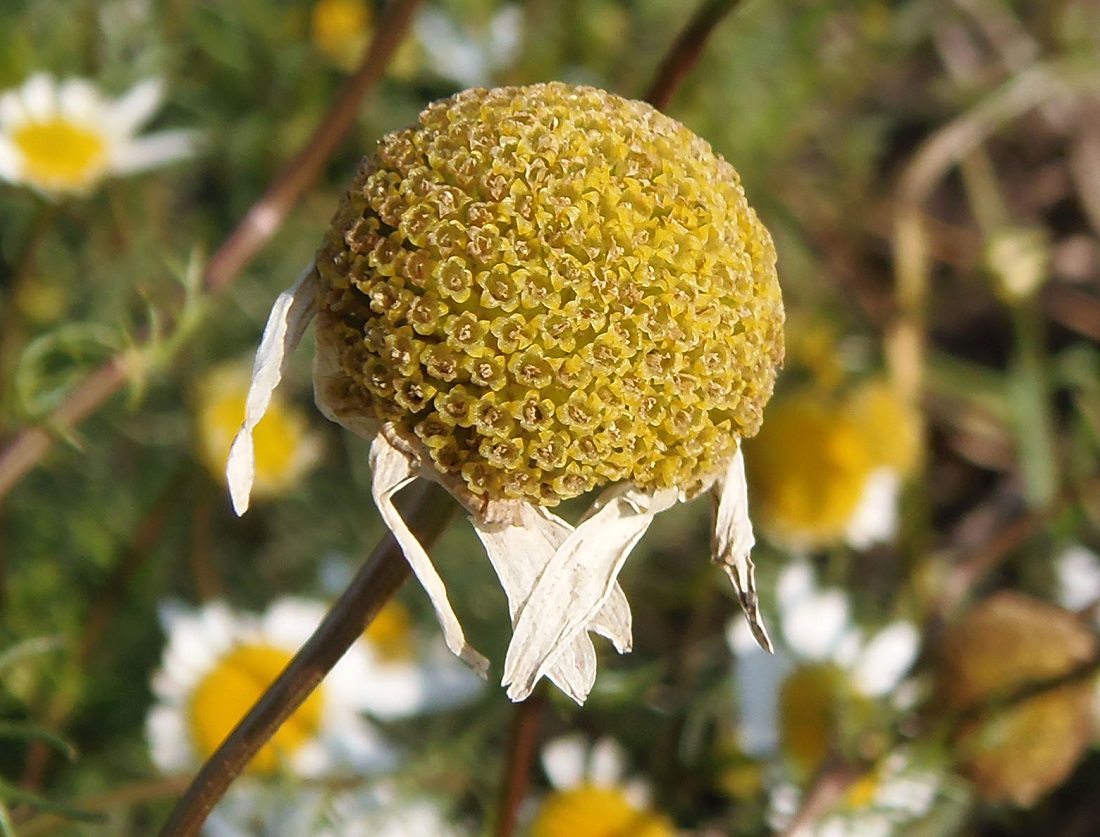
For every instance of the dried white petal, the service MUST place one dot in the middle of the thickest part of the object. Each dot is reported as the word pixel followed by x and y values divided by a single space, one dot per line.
pixel 577 581
pixel 291 313
pixel 391 470
pixel 733 541
pixel 519 549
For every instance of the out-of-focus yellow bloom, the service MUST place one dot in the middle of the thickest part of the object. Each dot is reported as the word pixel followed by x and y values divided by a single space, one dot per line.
pixel 341 29
pixel 591 797
pixel 65 138
pixel 285 448
pixel 218 663
pixel 535 292
pixel 827 468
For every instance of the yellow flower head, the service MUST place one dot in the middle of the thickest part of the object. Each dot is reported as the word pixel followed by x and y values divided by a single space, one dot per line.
pixel 65 138
pixel 534 292
pixel 826 467
pixel 552 288
pixel 285 449
pixel 340 30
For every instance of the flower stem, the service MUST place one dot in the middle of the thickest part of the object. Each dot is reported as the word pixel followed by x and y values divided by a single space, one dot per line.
pixel 685 51
pixel 522 742
pixel 428 509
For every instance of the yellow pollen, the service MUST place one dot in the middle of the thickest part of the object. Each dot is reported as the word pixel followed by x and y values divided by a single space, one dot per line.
pixel 591 811
pixel 553 288
pixel 230 689
pixel 60 155
pixel 391 635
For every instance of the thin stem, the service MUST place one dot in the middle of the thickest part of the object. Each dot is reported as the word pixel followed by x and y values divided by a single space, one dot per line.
pixel 523 740
pixel 260 223
pixel 428 509
pixel 685 51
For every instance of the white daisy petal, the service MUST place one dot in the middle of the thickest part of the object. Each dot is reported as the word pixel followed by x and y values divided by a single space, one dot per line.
pixel 814 627
pixel 169 742
pixel 1078 573
pixel 39 97
pixel 875 518
pixel 291 313
pixel 886 658
pixel 606 762
pixel 78 100
pixel 154 150
pixel 577 581
pixel 733 540
pixel 13 113
pixel 564 759
pixel 795 583
pixel 137 107
pixel 392 469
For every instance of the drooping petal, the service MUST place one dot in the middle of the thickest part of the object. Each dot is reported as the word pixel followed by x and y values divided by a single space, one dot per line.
pixel 391 470
pixel 733 540
pixel 577 581
pixel 518 551
pixel 291 313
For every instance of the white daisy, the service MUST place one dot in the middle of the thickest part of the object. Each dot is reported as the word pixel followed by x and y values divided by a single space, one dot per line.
pixel 818 643
pixel 64 138
pixel 1078 574
pixel 592 797
pixel 493 403
pixel 217 663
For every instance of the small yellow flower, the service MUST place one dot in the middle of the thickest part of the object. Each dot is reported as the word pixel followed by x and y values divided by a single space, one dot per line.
pixel 340 30
pixel 827 467
pixel 65 138
pixel 284 448
pixel 591 797
pixel 217 664
pixel 536 292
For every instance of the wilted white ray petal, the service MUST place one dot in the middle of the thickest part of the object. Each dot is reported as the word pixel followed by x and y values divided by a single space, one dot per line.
pixel 518 551
pixel 613 621
pixel 291 313
pixel 576 582
pixel 391 470
pixel 733 541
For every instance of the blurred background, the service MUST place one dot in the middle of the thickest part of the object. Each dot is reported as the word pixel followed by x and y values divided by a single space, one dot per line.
pixel 926 486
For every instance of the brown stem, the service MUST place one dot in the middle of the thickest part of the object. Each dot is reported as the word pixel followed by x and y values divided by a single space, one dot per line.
pixel 255 229
pixel 685 51
pixel 427 509
pixel 523 737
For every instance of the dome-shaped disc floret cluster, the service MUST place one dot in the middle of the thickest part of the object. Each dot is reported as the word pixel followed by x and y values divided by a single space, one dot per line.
pixel 552 288
pixel 536 291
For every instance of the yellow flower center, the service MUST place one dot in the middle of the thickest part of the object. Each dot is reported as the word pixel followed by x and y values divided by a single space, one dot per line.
pixel 230 689
pixel 59 155
pixel 590 811
pixel 807 717
pixel 278 440
pixel 807 469
pixel 553 288
pixel 390 634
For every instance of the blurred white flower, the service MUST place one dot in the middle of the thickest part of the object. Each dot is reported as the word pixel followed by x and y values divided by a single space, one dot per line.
pixel 465 55
pixel 817 637
pixel 592 796
pixel 896 792
pixel 218 662
pixel 1078 572
pixel 64 138
pixel 266 809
